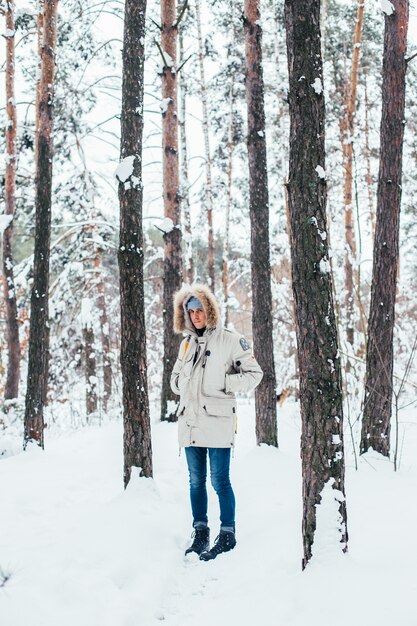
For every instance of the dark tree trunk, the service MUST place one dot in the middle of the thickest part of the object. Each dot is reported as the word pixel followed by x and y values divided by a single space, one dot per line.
pixel 39 332
pixel 265 394
pixel 379 356
pixel 317 345
pixel 172 239
pixel 90 369
pixel 13 346
pixel 137 430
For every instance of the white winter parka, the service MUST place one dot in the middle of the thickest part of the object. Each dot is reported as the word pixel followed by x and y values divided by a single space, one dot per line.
pixel 209 371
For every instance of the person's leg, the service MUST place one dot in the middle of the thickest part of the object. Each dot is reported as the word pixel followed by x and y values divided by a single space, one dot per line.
pixel 197 467
pixel 220 479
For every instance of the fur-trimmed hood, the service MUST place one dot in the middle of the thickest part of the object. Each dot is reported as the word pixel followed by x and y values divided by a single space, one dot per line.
pixel 182 321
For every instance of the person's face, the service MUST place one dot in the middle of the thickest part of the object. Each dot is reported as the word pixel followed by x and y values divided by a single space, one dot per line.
pixel 198 318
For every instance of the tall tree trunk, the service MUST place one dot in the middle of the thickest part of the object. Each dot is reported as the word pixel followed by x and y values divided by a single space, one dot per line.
pixel 90 368
pixel 136 420
pixel 185 184
pixel 317 345
pixel 39 333
pixel 368 159
pixel 172 239
pixel 104 329
pixel 40 22
pixel 347 134
pixel 265 394
pixel 230 152
pixel 379 355
pixel 13 346
pixel 209 185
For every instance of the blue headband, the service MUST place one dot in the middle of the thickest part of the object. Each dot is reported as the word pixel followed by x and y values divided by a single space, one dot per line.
pixel 194 303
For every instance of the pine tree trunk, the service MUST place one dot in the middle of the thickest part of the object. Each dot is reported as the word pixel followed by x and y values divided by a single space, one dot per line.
pixel 265 394
pixel 13 346
pixel 368 159
pixel 185 184
pixel 320 372
pixel 90 368
pixel 39 331
pixel 172 239
pixel 230 152
pixel 209 184
pixel 136 420
pixel 379 356
pixel 104 328
pixel 347 133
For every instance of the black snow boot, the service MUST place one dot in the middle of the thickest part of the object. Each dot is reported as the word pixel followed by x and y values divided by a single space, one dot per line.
pixel 224 542
pixel 201 541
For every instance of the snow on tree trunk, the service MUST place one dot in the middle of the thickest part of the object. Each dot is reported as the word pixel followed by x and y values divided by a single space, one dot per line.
pixel 137 432
pixel 39 328
pixel 172 238
pixel 209 186
pixel 185 184
pixel 347 135
pixel 322 451
pixel 13 346
pixel 379 357
pixel 265 394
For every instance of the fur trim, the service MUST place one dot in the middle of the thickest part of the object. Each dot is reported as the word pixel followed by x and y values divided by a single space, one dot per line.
pixel 182 322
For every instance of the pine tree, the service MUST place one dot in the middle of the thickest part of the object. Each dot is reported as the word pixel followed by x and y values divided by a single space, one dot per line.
pixel 39 330
pixel 319 363
pixel 265 394
pixel 379 356
pixel 137 432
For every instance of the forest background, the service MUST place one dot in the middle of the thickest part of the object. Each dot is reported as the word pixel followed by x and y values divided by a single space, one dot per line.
pixel 84 332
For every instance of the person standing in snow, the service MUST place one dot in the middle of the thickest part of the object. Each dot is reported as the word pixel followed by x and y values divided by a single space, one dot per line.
pixel 213 365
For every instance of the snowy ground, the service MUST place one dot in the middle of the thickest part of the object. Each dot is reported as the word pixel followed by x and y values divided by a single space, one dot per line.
pixel 82 552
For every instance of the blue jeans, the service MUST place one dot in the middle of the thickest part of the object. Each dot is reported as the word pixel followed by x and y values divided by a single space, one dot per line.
pixel 219 475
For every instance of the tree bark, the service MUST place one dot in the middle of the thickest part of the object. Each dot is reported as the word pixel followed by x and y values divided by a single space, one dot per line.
pixel 90 368
pixel 136 420
pixel 230 152
pixel 265 394
pixel 39 330
pixel 209 184
pixel 185 184
pixel 347 132
pixel 379 356
pixel 317 345
pixel 12 324
pixel 172 239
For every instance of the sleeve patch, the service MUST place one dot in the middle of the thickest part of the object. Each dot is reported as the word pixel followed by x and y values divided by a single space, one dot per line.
pixel 244 344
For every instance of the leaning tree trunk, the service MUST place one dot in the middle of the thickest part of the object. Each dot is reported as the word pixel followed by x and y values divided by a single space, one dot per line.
pixel 209 184
pixel 39 335
pixel 136 420
pixel 320 372
pixel 347 133
pixel 265 394
pixel 12 324
pixel 172 238
pixel 379 354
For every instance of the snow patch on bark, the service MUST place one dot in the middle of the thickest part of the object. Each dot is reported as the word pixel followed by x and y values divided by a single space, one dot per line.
pixel 4 222
pixel 320 171
pixel 330 526
pixel 387 7
pixel 317 86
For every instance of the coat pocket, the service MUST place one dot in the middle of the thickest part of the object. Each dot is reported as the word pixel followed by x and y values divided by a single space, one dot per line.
pixel 223 409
